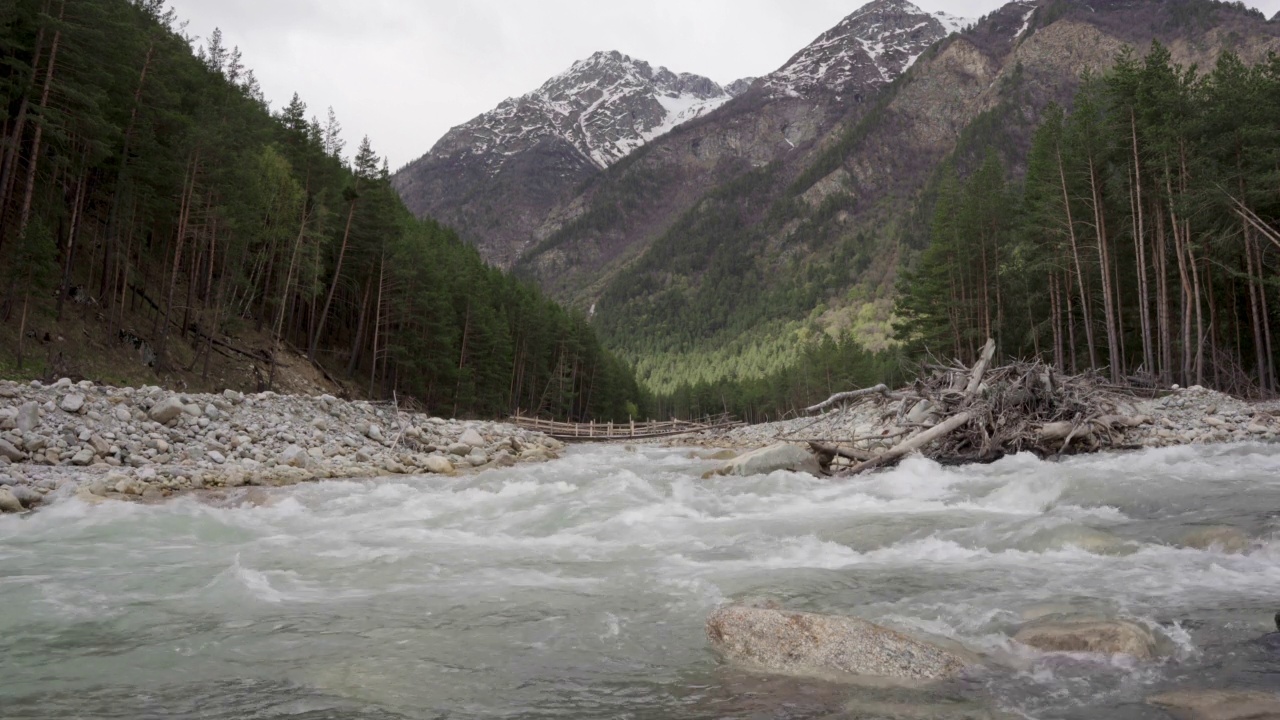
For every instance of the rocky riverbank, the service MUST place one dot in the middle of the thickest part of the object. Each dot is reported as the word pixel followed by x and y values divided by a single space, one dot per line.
pixel 97 442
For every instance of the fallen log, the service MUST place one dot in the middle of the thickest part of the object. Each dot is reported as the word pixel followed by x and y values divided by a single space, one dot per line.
pixel 980 368
pixel 914 443
pixel 882 390
pixel 827 454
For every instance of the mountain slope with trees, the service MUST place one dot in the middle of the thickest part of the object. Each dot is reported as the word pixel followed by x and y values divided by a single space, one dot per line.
pixel 148 195
pixel 1143 241
pixel 760 267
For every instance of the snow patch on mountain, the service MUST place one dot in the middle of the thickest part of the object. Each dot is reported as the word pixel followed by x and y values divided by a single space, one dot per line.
pixel 605 106
pixel 869 48
pixel 953 23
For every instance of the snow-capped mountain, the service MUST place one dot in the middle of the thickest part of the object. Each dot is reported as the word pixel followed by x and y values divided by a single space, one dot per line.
pixel 511 177
pixel 870 47
pixel 605 106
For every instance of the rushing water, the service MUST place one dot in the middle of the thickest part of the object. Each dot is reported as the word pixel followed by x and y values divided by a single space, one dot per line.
pixel 578 589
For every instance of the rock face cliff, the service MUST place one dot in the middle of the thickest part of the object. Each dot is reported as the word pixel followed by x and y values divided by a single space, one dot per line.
pixel 780 120
pixel 496 176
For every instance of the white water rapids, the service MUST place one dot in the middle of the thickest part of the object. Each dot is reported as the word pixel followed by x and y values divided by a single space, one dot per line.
pixel 579 588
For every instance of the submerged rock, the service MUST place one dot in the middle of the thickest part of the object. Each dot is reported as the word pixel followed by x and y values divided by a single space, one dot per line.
pixel 772 459
pixel 1219 704
pixel 1102 637
pixel 1091 540
pixel 1219 537
pixel 795 642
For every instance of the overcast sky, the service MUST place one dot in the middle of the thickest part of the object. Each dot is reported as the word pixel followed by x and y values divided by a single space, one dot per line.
pixel 405 71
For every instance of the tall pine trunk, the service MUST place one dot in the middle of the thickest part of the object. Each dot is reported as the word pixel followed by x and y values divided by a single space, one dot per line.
pixel 1075 254
pixel 333 286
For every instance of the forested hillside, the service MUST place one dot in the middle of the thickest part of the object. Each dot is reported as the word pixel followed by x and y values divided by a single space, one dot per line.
pixel 148 195
pixel 762 266
pixel 1143 241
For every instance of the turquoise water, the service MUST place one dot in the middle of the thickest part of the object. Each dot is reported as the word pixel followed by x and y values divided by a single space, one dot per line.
pixel 578 588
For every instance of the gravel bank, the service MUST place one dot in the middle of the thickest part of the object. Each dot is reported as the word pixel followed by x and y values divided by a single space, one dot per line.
pixel 99 443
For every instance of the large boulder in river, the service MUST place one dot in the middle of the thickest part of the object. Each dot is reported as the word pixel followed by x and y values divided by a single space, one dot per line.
pixel 772 459
pixel 800 643
pixel 1102 637
pixel 1219 704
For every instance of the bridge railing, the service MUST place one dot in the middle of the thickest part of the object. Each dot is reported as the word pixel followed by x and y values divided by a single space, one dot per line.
pixel 620 431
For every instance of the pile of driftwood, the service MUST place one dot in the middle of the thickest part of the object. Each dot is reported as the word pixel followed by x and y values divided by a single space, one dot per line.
pixel 956 414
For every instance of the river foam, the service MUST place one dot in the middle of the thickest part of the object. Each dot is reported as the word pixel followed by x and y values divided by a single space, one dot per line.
pixel 578 588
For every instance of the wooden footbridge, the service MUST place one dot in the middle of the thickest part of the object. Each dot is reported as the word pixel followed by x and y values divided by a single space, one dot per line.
pixel 606 432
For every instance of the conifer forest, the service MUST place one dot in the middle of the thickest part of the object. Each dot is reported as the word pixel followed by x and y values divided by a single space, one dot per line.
pixel 146 185
pixel 1142 242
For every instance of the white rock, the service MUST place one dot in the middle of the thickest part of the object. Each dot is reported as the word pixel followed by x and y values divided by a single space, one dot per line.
pixel 772 459
pixel 9 503
pixel 83 457
pixel 294 456
pixel 28 417
pixel 71 402
pixel 166 410
pixel 122 413
pixel 217 457
pixel 439 465
pixel 472 438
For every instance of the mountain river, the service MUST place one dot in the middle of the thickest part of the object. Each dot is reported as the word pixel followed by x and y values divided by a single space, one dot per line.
pixel 579 589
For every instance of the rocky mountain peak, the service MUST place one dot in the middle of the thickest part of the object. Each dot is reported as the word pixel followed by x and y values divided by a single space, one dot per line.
pixel 872 46
pixel 604 106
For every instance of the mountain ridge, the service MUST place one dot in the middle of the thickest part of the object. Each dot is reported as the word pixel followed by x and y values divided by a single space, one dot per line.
pixel 538 147
pixel 602 109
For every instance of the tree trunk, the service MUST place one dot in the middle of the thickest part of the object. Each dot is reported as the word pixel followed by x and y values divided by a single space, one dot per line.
pixel 333 286
pixel 377 321
pixel 9 164
pixel 24 218
pixel 1163 319
pixel 1140 252
pixel 65 285
pixel 22 328
pixel 1259 260
pixel 1104 261
pixel 162 335
pixel 1075 253
pixel 357 343
pixel 284 295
